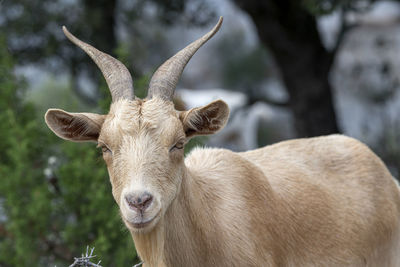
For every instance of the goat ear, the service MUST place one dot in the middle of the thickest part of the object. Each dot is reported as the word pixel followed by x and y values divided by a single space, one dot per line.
pixel 205 120
pixel 76 127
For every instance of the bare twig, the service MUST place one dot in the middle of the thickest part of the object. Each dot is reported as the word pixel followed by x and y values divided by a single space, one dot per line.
pixel 139 264
pixel 85 260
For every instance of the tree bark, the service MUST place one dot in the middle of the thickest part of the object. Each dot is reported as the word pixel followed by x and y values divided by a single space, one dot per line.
pixel 290 32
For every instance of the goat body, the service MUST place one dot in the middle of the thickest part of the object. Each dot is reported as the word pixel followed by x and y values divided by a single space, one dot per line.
pixel 326 201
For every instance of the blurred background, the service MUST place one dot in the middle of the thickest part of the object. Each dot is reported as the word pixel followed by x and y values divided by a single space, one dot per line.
pixel 287 69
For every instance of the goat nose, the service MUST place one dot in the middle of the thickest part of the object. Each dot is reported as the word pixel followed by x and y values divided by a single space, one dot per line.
pixel 139 202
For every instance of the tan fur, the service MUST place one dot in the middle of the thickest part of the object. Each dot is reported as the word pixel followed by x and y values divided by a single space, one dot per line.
pixel 325 201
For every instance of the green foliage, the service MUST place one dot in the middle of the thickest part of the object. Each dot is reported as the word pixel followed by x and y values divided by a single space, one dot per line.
pixel 23 188
pixel 54 94
pixel 52 210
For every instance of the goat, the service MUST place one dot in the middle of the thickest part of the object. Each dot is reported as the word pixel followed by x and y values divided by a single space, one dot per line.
pixel 324 201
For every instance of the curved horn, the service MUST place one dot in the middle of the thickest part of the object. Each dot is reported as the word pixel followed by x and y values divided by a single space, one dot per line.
pixel 117 76
pixel 166 77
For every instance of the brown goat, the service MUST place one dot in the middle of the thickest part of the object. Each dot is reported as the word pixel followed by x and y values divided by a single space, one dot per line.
pixel 325 201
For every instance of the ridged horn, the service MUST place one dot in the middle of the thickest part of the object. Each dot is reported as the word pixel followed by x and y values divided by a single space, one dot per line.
pixel 117 76
pixel 165 79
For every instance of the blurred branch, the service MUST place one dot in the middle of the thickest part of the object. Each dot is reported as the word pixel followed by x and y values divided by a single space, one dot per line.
pixel 53 181
pixel 252 100
pixel 253 97
pixel 344 28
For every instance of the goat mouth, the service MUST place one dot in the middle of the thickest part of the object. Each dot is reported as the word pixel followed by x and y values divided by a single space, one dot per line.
pixel 143 223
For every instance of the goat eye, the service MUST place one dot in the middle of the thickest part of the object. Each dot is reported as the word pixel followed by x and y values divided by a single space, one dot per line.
pixel 105 149
pixel 178 145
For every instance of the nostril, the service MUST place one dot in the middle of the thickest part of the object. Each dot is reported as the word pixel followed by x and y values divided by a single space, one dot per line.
pixel 139 203
pixel 146 200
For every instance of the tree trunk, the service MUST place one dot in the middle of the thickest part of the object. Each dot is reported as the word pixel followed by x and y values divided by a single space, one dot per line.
pixel 100 32
pixel 290 32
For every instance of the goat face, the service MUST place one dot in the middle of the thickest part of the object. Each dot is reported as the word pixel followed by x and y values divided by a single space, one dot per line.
pixel 143 149
pixel 142 140
pixel 142 143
